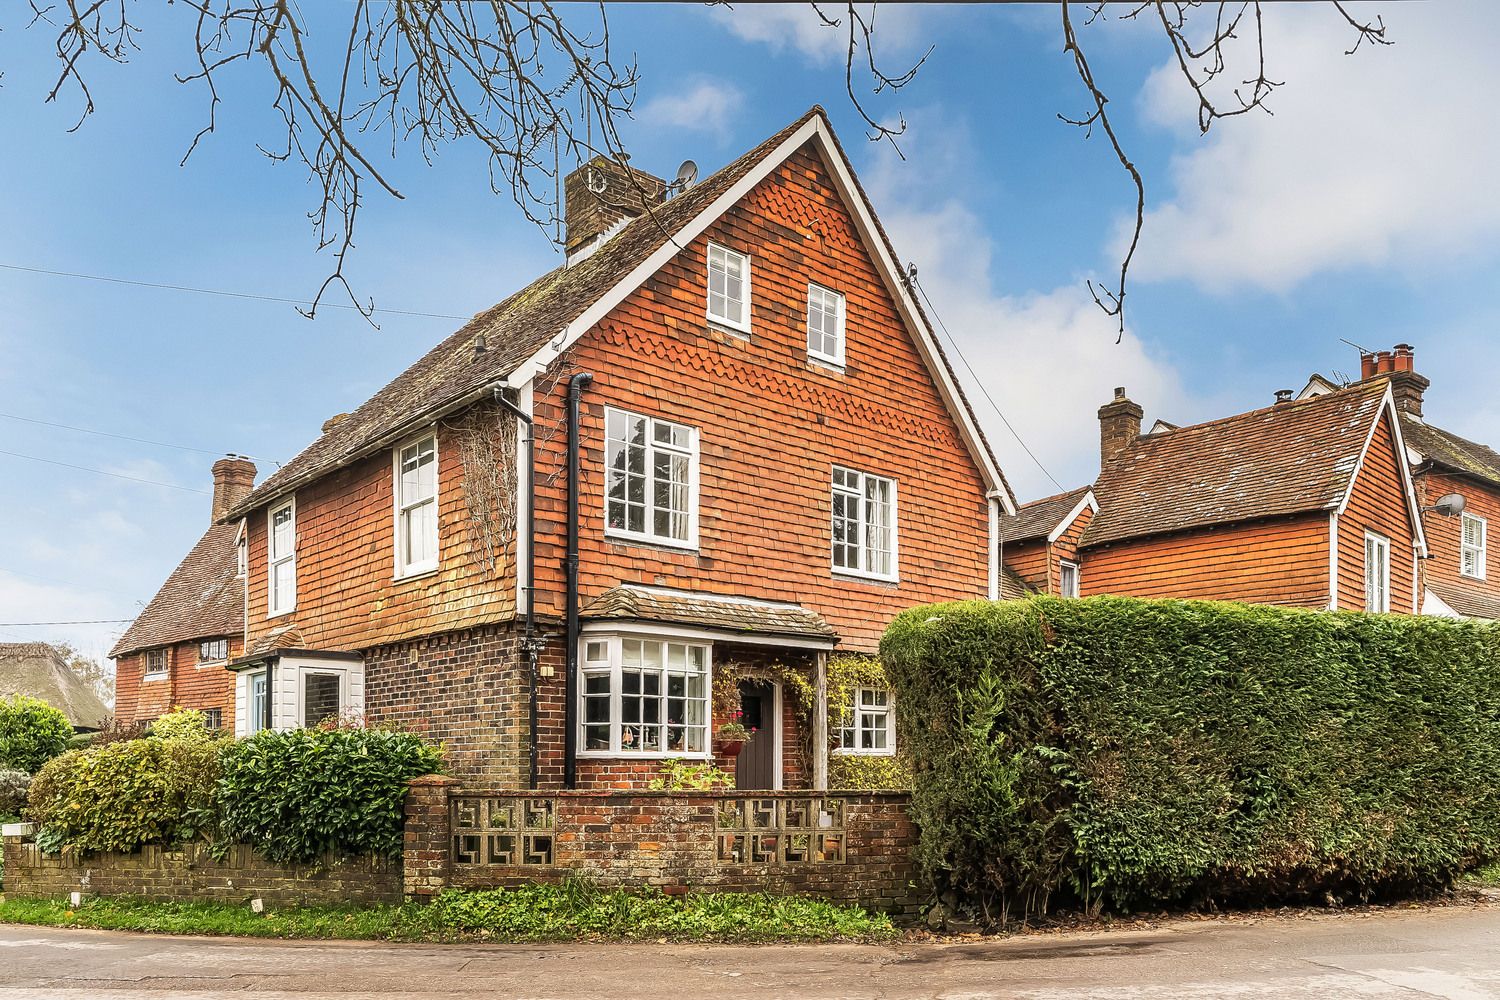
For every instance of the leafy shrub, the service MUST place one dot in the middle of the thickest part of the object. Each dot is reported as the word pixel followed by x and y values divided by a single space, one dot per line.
pixel 1114 752
pixel 123 795
pixel 32 732
pixel 13 785
pixel 183 724
pixel 846 673
pixel 298 794
pixel 694 776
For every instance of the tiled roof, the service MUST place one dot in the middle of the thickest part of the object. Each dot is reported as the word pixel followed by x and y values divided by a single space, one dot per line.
pixel 37 670
pixel 203 598
pixel 521 325
pixel 741 616
pixel 1290 458
pixel 1012 587
pixel 514 330
pixel 1471 603
pixel 1040 518
pixel 1447 449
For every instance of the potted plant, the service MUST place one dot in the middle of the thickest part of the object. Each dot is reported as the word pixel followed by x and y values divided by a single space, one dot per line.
pixel 732 736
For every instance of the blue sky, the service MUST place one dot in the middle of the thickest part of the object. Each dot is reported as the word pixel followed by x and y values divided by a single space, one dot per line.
pixel 1364 209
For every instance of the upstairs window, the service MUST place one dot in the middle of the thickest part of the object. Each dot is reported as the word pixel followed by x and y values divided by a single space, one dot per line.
pixel 416 507
pixel 728 288
pixel 213 650
pixel 281 558
pixel 650 479
pixel 825 325
pixel 156 663
pixel 1377 573
pixel 864 523
pixel 645 697
pixel 1067 579
pixel 868 723
pixel 1475 539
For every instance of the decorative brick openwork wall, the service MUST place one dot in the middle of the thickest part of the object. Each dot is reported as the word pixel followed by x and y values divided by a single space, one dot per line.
pixel 189 873
pixel 852 847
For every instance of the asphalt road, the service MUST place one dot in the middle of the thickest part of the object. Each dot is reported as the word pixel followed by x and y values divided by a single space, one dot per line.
pixel 1448 952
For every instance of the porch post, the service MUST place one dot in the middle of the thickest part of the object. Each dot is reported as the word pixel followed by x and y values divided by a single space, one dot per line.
pixel 820 727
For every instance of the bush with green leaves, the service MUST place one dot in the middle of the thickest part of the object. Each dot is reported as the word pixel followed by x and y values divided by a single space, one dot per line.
pixel 32 732
pixel 690 776
pixel 183 724
pixel 1119 752
pixel 299 794
pixel 13 785
pixel 124 795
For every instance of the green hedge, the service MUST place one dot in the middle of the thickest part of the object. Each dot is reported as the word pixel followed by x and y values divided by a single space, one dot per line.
pixel 32 732
pixel 295 795
pixel 1118 752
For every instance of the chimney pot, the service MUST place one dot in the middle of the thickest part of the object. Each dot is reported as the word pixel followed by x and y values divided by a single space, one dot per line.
pixel 234 478
pixel 1404 358
pixel 1119 426
pixel 1283 396
pixel 1366 364
pixel 1407 385
pixel 1384 363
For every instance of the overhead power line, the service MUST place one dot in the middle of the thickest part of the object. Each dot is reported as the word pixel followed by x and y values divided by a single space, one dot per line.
pixel 101 472
pixel 127 437
pixel 87 621
pixel 975 375
pixel 165 286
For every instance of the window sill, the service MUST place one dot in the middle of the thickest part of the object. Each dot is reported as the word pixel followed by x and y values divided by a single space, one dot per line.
pixel 156 677
pixel 826 364
pixel 280 614
pixel 622 538
pixel 724 326
pixel 841 752
pixel 209 663
pixel 858 577
pixel 416 574
pixel 1471 576
pixel 643 755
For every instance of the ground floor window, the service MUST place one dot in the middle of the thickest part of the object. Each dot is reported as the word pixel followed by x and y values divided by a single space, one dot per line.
pixel 255 714
pixel 644 696
pixel 213 719
pixel 868 722
pixel 322 697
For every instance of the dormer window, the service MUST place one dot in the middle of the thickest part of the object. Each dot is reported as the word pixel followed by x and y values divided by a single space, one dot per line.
pixel 728 288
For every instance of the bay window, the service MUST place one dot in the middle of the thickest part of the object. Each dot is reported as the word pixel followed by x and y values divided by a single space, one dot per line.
pixel 644 697
pixel 864 524
pixel 416 489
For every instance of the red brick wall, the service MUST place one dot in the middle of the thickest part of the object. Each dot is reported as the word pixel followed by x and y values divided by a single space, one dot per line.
pixel 1376 503
pixel 187 685
pixel 1445 534
pixel 1281 562
pixel 772 424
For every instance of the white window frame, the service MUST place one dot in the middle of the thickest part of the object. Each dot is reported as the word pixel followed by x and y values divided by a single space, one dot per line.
pixel 855 713
pixel 301 705
pixel 166 664
pixel 724 253
pixel 691 452
pixel 1480 552
pixel 255 716
pixel 274 607
pixel 840 321
pixel 1063 566
pixel 611 666
pixel 1378 589
pixel 863 547
pixel 241 551
pixel 401 509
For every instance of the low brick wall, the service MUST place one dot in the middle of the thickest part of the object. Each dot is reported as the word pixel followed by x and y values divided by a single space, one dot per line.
pixel 190 873
pixel 853 847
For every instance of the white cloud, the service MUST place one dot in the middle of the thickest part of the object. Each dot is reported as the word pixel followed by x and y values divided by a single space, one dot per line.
pixel 708 106
pixel 1382 158
pixel 898 28
pixel 1047 358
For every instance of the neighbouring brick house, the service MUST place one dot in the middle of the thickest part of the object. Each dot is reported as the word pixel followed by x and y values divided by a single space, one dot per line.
pixel 773 458
pixel 173 655
pixel 1306 503
pixel 1456 580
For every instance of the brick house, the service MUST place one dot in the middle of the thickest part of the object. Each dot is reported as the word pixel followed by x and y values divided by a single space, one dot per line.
pixel 1455 577
pixel 747 451
pixel 173 654
pixel 1307 503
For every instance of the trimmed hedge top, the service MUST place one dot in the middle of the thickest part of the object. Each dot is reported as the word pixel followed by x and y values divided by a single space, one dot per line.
pixel 1113 751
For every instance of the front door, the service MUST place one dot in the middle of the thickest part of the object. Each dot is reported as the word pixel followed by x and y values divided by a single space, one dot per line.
pixel 756 765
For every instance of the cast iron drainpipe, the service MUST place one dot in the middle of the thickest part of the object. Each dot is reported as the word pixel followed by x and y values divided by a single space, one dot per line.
pixel 576 385
pixel 531 645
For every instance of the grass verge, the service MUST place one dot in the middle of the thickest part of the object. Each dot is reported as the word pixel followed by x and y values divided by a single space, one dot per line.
pixel 1484 877
pixel 533 913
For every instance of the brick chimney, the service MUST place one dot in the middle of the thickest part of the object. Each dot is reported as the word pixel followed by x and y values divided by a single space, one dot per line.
pixel 1406 385
pixel 1119 426
pixel 234 478
pixel 601 194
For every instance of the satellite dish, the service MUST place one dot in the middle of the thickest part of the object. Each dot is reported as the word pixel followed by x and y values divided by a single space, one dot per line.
pixel 1451 505
pixel 686 174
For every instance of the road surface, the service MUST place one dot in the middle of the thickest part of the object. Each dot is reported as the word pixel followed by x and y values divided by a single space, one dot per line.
pixel 1445 952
